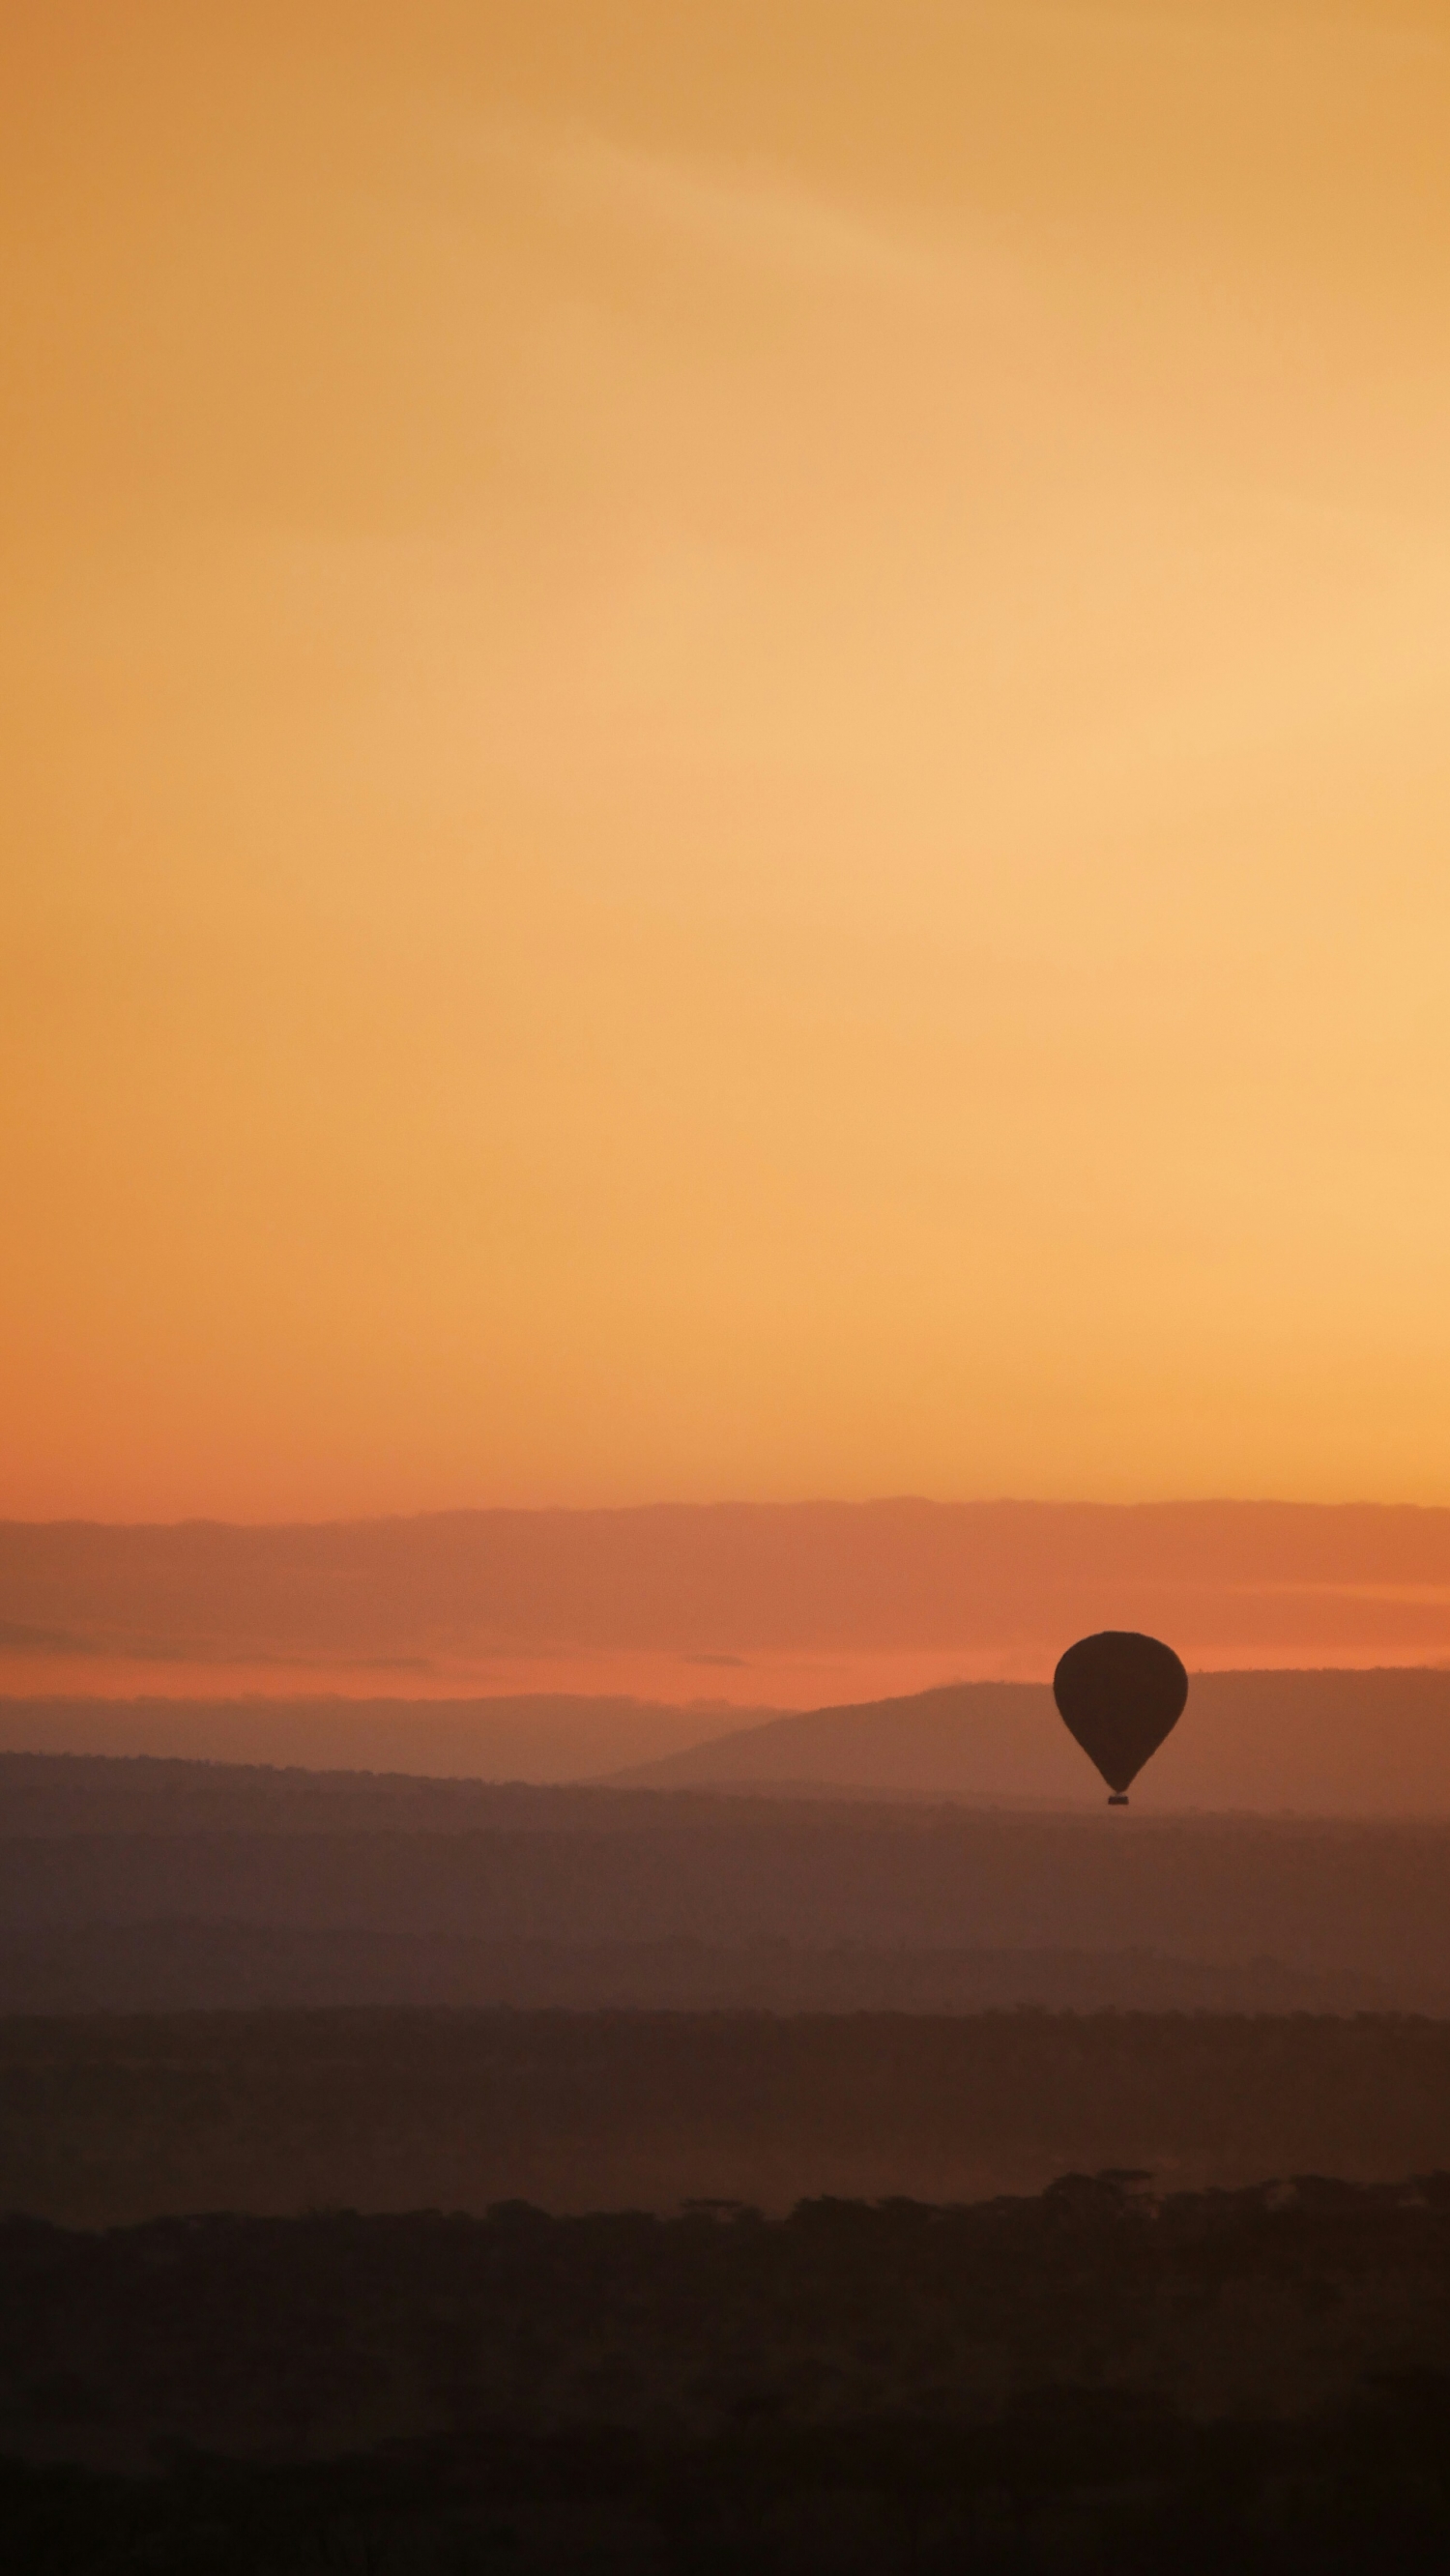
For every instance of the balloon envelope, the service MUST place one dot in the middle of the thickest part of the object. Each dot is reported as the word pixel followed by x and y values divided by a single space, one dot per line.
pixel 1119 1694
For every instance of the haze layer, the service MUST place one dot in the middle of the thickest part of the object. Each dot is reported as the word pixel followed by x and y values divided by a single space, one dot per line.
pixel 744 1604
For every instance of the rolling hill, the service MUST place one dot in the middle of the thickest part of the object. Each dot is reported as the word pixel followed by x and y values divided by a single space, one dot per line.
pixel 537 1736
pixel 1315 1743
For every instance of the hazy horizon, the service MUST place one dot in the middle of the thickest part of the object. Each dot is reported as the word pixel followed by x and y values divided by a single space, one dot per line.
pixel 747 1605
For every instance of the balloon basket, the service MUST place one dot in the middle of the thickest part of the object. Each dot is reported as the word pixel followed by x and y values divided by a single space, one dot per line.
pixel 1119 1798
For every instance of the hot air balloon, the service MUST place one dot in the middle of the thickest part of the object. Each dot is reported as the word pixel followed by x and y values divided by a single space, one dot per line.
pixel 1119 1694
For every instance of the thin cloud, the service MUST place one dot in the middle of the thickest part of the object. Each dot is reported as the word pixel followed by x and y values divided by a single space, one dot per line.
pixel 16 1638
pixel 751 217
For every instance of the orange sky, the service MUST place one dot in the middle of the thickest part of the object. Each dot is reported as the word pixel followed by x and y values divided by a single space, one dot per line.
pixel 726 759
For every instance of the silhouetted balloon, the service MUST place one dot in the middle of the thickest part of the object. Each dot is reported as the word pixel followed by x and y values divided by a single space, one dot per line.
pixel 1119 1694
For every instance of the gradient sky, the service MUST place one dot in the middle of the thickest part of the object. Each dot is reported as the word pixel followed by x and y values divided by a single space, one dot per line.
pixel 726 760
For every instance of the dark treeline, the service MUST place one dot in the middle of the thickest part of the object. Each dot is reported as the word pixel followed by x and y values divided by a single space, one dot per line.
pixel 1066 2483
pixel 112 2118
pixel 1097 2379
pixel 277 2338
pixel 248 1967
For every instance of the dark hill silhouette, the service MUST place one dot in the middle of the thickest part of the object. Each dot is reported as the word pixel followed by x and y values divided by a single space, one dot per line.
pixel 1318 1743
pixel 133 1885
pixel 430 1888
pixel 991 1740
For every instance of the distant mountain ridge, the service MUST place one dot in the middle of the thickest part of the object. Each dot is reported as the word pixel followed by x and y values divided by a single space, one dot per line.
pixel 967 1739
pixel 1330 1743
pixel 537 1736
pixel 1325 1743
